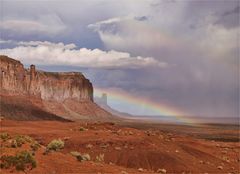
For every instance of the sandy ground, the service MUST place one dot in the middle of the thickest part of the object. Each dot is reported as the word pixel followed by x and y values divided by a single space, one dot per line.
pixel 128 148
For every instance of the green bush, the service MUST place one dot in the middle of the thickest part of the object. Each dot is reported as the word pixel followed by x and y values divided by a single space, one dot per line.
pixel 4 136
pixel 55 145
pixel 20 161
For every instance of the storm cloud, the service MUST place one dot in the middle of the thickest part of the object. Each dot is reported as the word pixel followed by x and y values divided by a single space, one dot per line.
pixel 185 53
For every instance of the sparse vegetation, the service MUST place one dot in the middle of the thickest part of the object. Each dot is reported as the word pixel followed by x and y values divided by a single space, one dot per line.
pixel 35 146
pixel 82 129
pixel 75 153
pixel 89 146
pixel 100 158
pixel 81 157
pixel 4 136
pixel 20 161
pixel 86 157
pixel 19 140
pixel 55 145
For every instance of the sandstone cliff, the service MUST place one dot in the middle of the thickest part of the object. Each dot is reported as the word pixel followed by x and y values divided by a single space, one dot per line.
pixel 65 94
pixel 47 85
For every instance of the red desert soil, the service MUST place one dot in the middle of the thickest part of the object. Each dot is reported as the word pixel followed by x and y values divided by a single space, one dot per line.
pixel 125 149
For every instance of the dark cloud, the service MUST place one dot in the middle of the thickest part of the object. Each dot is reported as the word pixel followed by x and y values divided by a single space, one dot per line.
pixel 230 19
pixel 141 18
pixel 236 10
pixel 204 58
pixel 215 94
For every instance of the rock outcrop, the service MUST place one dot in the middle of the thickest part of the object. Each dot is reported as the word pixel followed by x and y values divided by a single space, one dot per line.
pixel 14 79
pixel 26 94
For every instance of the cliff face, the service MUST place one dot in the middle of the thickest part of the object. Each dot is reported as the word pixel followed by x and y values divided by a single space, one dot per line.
pixel 30 94
pixel 14 79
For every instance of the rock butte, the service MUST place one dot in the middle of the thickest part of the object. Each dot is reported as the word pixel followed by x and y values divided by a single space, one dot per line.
pixel 46 85
pixel 65 94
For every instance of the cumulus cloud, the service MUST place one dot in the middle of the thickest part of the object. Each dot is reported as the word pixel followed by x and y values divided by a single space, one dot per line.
pixel 148 37
pixel 48 53
pixel 132 33
pixel 47 44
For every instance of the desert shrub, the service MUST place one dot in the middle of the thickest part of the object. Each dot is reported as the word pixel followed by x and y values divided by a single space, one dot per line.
pixel 4 136
pixel 19 140
pixel 82 129
pixel 81 157
pixel 27 139
pixel 14 144
pixel 35 146
pixel 100 158
pixel 86 157
pixel 77 155
pixel 55 145
pixel 20 161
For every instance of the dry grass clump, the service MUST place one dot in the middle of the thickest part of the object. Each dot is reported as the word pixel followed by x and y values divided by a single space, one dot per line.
pixel 81 157
pixel 100 158
pixel 55 145
pixel 4 136
pixel 21 161
pixel 19 140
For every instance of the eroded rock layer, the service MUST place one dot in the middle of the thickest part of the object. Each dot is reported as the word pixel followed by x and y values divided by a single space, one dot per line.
pixel 30 94
pixel 14 79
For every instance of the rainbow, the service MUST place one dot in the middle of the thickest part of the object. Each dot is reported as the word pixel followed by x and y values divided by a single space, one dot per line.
pixel 160 108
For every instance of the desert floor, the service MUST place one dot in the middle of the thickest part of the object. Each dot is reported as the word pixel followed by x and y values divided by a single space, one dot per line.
pixel 123 148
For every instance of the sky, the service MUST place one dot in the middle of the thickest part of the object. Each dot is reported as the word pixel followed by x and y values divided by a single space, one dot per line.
pixel 183 53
